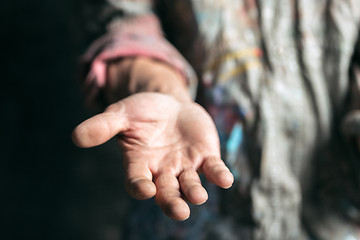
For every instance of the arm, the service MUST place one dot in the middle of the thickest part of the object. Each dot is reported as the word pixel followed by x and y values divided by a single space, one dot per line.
pixel 135 33
pixel 141 74
pixel 166 138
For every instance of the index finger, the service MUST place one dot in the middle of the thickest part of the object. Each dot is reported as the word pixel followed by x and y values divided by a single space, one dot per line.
pixel 138 180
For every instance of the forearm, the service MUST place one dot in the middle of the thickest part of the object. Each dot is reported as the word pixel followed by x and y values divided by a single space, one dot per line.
pixel 141 74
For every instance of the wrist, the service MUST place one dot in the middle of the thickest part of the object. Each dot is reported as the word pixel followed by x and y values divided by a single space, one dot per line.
pixel 139 74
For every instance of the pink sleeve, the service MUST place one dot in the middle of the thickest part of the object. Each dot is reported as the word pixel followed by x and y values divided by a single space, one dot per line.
pixel 138 36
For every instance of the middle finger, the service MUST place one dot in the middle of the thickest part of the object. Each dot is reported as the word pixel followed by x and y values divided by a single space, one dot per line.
pixel 168 197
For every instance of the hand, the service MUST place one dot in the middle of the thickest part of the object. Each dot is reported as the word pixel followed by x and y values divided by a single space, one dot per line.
pixel 166 144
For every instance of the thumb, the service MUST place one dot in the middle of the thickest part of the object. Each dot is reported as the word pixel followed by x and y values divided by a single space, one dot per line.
pixel 100 128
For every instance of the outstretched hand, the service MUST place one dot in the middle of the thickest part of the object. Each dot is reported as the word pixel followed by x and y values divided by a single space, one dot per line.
pixel 166 145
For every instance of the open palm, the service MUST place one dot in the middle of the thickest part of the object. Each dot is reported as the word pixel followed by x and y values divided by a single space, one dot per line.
pixel 166 143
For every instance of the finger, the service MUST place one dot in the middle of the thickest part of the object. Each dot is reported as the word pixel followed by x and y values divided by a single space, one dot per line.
pixel 191 187
pixel 138 181
pixel 217 173
pixel 168 197
pixel 99 129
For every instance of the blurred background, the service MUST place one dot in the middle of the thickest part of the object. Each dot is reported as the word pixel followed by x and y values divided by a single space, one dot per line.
pixel 49 189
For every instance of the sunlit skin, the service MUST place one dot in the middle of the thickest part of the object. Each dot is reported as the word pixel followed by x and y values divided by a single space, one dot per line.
pixel 167 140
